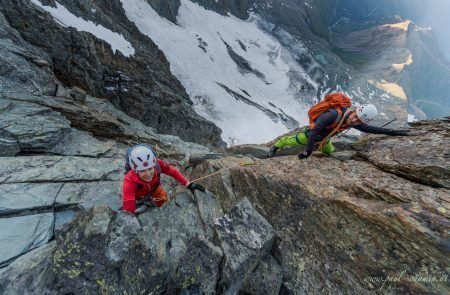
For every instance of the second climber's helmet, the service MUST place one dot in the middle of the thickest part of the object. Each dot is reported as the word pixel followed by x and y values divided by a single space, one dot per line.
pixel 366 112
pixel 142 158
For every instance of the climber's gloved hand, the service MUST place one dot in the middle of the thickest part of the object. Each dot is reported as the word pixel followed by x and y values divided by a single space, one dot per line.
pixel 193 186
pixel 303 156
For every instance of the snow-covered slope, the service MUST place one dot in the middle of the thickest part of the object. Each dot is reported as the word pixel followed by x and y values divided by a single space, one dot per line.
pixel 67 19
pixel 237 75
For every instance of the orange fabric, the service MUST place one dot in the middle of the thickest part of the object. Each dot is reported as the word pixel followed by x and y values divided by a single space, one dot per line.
pixel 331 101
pixel 336 123
pixel 159 196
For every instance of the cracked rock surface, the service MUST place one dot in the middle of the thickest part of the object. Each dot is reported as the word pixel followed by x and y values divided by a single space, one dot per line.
pixel 341 221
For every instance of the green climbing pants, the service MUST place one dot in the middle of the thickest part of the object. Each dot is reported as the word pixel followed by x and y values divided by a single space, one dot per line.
pixel 301 138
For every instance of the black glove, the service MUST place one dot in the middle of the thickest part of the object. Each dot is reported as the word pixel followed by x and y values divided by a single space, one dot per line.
pixel 400 132
pixel 193 186
pixel 303 156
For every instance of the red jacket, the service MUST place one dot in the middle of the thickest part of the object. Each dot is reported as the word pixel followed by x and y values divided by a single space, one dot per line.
pixel 134 188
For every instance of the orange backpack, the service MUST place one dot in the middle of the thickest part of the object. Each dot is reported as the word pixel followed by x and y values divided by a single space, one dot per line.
pixel 332 101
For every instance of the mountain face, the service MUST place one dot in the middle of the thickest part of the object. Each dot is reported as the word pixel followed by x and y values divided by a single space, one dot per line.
pixel 353 222
pixel 133 73
pixel 258 64
pixel 82 81
pixel 361 47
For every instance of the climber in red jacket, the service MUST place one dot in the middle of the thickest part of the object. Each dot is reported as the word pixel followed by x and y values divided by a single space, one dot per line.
pixel 142 181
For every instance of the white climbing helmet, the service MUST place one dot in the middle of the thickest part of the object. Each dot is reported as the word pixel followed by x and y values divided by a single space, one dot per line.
pixel 366 112
pixel 142 158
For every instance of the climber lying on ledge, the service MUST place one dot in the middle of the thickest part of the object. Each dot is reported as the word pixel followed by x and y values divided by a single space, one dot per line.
pixel 328 118
pixel 142 179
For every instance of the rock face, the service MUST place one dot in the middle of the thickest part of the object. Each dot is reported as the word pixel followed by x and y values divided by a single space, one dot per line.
pixel 60 155
pixel 371 221
pixel 245 236
pixel 422 158
pixel 373 217
pixel 19 235
pixel 44 54
pixel 165 250
pixel 344 224
pixel 34 265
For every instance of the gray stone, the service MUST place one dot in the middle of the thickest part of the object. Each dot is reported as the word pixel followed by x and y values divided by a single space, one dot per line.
pixel 123 231
pixel 196 159
pixel 199 267
pixel 135 128
pixel 100 118
pixel 142 85
pixel 29 273
pixel 59 169
pixel 167 9
pixel 168 229
pixel 344 155
pixel 209 209
pixel 22 66
pixel 19 235
pixel 98 223
pixel 63 217
pixel 82 143
pixel 421 157
pixel 35 128
pixel 245 237
pixel 102 244
pixel 8 146
pixel 181 146
pixel 18 197
pixel 266 279
pixel 89 194
pixel 254 150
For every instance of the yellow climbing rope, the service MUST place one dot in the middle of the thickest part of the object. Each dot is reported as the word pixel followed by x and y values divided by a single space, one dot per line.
pixel 242 164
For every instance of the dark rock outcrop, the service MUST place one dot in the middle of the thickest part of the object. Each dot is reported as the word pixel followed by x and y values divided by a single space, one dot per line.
pixel 152 95
pixel 164 249
pixel 353 224
pixel 266 279
pixel 422 158
pixel 166 8
pixel 245 236
pixel 200 267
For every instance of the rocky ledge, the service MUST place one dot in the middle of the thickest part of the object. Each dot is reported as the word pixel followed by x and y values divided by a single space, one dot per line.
pixel 372 218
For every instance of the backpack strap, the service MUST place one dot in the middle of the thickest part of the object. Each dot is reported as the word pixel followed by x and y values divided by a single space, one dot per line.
pixel 335 130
